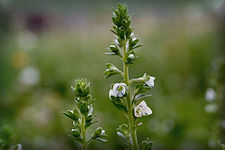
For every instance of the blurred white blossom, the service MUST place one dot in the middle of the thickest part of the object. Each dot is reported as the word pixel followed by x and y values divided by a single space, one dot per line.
pixel 29 76
pixel 27 40
pixel 211 108
pixel 210 95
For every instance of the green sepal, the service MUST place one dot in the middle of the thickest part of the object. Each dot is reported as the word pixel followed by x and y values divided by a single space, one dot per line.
pixel 99 134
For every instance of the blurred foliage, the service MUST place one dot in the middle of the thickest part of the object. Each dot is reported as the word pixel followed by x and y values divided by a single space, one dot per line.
pixel 39 64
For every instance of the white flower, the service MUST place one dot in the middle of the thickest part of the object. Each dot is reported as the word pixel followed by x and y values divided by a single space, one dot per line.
pixel 142 110
pixel 210 95
pixel 119 90
pixel 150 82
pixel 131 56
pixel 19 147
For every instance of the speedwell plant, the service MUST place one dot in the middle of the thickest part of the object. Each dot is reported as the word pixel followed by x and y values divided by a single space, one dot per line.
pixel 82 115
pixel 127 98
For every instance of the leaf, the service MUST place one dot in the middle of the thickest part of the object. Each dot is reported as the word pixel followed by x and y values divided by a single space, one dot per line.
pixel 72 114
pixel 110 53
pixel 146 144
pixel 137 46
pixel 75 133
pixel 118 103
pixel 111 70
pixel 123 133
pixel 101 139
pixel 141 88
pixel 140 96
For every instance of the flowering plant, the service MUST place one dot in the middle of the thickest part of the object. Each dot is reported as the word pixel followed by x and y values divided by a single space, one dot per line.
pixel 125 97
pixel 82 115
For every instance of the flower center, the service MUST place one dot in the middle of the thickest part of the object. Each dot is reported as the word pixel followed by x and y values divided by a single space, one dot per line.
pixel 120 88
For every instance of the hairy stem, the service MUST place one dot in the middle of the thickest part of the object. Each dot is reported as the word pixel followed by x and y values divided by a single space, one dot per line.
pixel 134 140
pixel 83 131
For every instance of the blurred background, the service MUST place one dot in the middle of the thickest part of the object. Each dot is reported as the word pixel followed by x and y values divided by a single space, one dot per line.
pixel 45 45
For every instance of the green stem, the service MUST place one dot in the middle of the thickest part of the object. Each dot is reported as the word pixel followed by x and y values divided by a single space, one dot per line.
pixel 83 131
pixel 133 133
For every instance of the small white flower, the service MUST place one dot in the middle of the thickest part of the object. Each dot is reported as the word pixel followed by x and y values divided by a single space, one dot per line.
pixel 131 56
pixel 19 147
pixel 119 90
pixel 142 110
pixel 150 82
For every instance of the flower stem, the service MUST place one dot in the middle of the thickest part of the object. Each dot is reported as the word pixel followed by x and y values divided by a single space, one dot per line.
pixel 133 133
pixel 83 131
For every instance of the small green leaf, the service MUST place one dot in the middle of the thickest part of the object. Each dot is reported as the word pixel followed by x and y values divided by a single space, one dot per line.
pixel 111 70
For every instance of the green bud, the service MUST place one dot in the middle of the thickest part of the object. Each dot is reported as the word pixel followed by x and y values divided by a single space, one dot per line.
pixel 146 144
pixel 99 134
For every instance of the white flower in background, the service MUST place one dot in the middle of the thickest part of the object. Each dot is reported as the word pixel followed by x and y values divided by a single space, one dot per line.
pixel 150 82
pixel 119 90
pixel 211 108
pixel 131 56
pixel 29 76
pixel 210 95
pixel 142 110
pixel 19 147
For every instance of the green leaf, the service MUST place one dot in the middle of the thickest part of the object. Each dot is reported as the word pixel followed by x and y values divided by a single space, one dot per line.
pixel 137 46
pixel 140 96
pixel 111 70
pixel 146 144
pixel 141 88
pixel 72 114
pixel 110 53
pixel 75 133
pixel 123 133
pixel 118 103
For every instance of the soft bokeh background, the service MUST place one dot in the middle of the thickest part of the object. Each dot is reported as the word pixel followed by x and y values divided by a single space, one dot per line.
pixel 45 45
